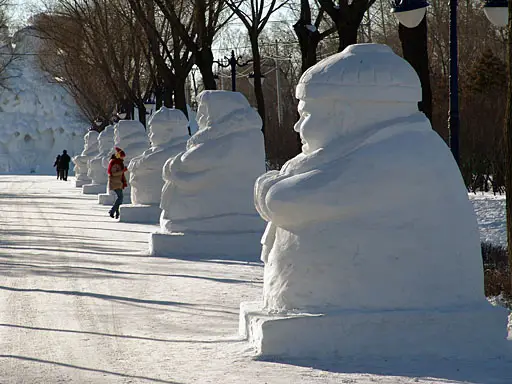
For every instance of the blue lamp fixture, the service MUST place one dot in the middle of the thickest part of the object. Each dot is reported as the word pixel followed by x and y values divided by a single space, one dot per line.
pixel 409 12
pixel 497 12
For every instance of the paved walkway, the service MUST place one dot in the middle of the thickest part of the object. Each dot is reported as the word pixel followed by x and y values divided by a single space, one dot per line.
pixel 80 302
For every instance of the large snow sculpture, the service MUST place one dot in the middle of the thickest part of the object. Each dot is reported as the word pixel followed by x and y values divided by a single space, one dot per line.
pixel 362 256
pixel 168 136
pixel 97 171
pixel 38 118
pixel 207 199
pixel 80 161
pixel 131 137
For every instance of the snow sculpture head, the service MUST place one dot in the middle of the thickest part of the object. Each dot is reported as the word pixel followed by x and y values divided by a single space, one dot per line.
pixel 361 86
pixel 222 112
pixel 106 139
pixel 90 143
pixel 165 125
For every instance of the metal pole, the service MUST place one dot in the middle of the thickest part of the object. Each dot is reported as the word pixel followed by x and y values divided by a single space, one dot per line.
pixel 232 61
pixel 453 119
pixel 278 88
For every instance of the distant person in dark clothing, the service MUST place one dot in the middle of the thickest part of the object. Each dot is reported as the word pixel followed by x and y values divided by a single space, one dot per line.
pixel 64 165
pixel 57 166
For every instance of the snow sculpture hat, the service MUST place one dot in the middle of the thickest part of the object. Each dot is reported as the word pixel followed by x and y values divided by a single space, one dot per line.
pixel 220 104
pixel 167 124
pixel 361 72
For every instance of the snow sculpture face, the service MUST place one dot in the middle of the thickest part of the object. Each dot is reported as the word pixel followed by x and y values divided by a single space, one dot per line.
pixel 106 139
pixel 90 142
pixel 350 92
pixel 165 125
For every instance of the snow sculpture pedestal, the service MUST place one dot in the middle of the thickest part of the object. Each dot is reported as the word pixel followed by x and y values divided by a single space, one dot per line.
pixel 131 137
pixel 168 136
pixel 97 170
pixel 362 258
pixel 207 200
pixel 80 161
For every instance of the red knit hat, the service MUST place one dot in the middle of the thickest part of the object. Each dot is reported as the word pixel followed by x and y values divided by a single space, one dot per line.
pixel 119 152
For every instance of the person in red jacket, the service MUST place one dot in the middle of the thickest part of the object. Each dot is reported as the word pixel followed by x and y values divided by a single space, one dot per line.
pixel 116 179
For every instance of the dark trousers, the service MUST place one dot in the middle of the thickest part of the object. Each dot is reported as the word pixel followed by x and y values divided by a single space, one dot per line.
pixel 64 173
pixel 118 202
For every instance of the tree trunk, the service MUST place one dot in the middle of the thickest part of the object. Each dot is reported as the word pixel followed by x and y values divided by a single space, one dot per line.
pixel 508 149
pixel 415 50
pixel 347 34
pixel 159 97
pixel 258 89
pixel 204 61
pixel 308 43
pixel 142 112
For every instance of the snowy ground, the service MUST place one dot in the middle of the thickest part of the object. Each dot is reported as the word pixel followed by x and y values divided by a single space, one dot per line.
pixel 81 303
pixel 490 211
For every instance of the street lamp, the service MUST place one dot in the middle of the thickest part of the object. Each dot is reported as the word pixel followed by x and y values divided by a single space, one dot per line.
pixel 233 63
pixel 409 12
pixel 497 12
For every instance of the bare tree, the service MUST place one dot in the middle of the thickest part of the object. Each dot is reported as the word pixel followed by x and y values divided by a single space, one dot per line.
pixel 346 16
pixel 255 14
pixel 197 25
pixel 308 33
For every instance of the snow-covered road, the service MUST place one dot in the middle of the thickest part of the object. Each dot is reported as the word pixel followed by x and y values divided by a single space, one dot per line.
pixel 80 302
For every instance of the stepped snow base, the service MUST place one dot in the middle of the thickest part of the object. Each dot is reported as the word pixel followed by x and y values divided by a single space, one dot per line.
pixel 93 189
pixel 81 183
pixel 106 198
pixel 239 246
pixel 109 198
pixel 140 213
pixel 458 332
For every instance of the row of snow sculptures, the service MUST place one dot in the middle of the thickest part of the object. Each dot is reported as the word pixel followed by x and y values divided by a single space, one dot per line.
pixel 207 200
pixel 97 166
pixel 362 256
pixel 168 136
pixel 80 161
pixel 131 137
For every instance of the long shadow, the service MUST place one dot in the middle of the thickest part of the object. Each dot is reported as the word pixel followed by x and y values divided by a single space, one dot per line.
pixel 70 271
pixel 234 340
pixel 444 370
pixel 32 359
pixel 99 296
pixel 217 259
pixel 121 299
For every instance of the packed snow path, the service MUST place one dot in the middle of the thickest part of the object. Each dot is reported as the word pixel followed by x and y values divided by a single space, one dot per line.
pixel 80 302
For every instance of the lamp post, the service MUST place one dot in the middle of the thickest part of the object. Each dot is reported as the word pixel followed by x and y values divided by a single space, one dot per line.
pixel 232 62
pixel 499 13
pixel 410 13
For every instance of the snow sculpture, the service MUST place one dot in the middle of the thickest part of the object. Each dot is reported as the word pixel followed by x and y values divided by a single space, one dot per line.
pixel 38 118
pixel 168 136
pixel 131 137
pixel 97 171
pixel 362 257
pixel 80 161
pixel 207 198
